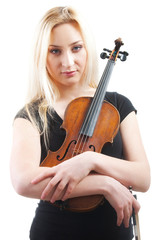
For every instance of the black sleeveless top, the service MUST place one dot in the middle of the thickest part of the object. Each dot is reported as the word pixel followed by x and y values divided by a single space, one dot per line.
pixel 51 222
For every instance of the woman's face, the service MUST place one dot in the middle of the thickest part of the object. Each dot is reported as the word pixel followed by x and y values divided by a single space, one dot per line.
pixel 67 55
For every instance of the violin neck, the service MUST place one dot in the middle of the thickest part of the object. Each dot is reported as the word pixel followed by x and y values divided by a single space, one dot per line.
pixel 89 124
pixel 103 84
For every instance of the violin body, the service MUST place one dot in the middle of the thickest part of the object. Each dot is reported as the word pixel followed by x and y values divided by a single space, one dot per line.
pixel 75 143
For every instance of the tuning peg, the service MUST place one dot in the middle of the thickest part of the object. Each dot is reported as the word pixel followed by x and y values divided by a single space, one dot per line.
pixel 104 55
pixel 107 50
pixel 123 56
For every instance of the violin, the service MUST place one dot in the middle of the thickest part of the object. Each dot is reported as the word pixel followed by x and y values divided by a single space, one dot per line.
pixel 89 122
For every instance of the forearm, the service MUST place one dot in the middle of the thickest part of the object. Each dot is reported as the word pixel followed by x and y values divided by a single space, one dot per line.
pixel 129 173
pixel 135 170
pixel 90 185
pixel 22 182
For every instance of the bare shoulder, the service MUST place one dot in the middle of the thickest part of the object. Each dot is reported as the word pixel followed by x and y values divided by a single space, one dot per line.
pixel 130 123
pixel 26 141
pixel 23 127
pixel 131 137
pixel 25 154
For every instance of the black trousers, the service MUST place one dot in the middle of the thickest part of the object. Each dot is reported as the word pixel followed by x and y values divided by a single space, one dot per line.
pixel 51 223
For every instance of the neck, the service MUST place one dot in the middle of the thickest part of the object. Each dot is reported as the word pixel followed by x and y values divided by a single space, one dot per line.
pixel 70 93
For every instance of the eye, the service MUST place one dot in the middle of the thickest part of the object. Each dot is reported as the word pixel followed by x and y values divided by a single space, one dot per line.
pixel 55 51
pixel 77 48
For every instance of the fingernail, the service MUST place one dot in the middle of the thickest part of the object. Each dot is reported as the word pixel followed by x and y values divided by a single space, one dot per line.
pixel 43 196
pixel 33 181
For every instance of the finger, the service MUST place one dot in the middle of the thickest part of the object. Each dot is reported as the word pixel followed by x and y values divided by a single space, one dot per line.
pixel 68 191
pixel 136 206
pixel 46 174
pixel 59 191
pixel 127 216
pixel 120 216
pixel 49 188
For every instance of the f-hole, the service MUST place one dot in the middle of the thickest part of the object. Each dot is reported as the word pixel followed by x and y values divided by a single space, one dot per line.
pixel 61 159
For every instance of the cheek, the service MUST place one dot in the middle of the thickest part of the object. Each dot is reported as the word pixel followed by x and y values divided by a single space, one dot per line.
pixel 51 66
pixel 48 64
pixel 83 59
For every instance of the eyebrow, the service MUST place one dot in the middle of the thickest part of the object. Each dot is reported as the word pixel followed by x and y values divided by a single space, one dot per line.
pixel 53 45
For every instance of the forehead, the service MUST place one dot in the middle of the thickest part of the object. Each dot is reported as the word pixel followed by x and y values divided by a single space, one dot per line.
pixel 66 32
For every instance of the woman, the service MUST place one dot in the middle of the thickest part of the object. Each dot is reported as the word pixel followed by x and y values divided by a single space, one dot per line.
pixel 64 67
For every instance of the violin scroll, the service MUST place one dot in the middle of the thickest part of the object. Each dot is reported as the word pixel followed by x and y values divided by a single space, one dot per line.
pixel 113 55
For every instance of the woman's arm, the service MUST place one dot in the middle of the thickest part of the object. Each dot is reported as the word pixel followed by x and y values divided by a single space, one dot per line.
pixel 25 158
pixel 24 167
pixel 135 171
pixel 118 195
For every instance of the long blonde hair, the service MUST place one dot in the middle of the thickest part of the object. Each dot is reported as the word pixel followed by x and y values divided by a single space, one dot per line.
pixel 41 87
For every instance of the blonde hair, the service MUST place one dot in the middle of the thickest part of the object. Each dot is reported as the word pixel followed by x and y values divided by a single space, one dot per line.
pixel 41 87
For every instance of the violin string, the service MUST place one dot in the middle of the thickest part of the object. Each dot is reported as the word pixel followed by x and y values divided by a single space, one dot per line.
pixel 82 138
pixel 92 107
pixel 79 142
pixel 83 142
pixel 97 100
pixel 92 111
pixel 100 93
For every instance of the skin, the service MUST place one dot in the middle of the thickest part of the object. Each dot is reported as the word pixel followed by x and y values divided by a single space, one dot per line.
pixel 66 62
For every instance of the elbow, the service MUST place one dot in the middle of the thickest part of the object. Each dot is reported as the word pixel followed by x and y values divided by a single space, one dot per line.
pixel 142 186
pixel 145 186
pixel 142 182
pixel 19 184
pixel 146 182
pixel 18 187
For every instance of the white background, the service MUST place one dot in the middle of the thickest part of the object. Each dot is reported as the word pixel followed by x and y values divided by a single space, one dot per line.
pixel 137 23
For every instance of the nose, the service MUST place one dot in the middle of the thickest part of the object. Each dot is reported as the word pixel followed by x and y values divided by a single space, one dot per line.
pixel 67 59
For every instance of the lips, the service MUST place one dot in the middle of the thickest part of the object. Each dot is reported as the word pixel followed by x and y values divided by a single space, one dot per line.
pixel 69 73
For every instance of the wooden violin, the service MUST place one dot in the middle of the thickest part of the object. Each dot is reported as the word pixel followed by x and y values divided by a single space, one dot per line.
pixel 89 124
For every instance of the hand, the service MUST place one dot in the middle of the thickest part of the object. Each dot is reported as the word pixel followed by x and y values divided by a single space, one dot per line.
pixel 64 177
pixel 122 201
